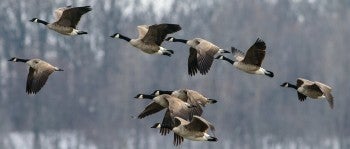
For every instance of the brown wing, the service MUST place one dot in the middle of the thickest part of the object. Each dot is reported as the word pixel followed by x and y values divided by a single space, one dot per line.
pixel 157 33
pixel 313 87
pixel 302 81
pixel 205 55
pixel 150 109
pixel 192 62
pixel 166 123
pixel 71 17
pixel 142 29
pixel 196 97
pixel 197 124
pixel 327 92
pixel 30 78
pixel 301 96
pixel 256 53
pixel 37 78
pixel 178 108
pixel 193 101
pixel 58 12
pixel 237 54
pixel 177 139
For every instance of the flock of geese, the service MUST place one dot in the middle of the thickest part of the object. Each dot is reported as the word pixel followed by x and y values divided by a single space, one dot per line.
pixel 183 106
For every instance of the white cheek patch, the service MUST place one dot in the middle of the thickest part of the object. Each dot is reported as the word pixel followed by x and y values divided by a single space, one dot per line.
pixel 157 93
pixel 36 20
pixel 141 97
pixel 117 36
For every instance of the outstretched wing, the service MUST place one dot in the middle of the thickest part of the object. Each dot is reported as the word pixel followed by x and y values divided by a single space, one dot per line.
pixel 326 90
pixel 142 29
pixel 192 62
pixel 256 53
pixel 198 124
pixel 157 33
pixel 37 78
pixel 58 12
pixel 150 109
pixel 205 55
pixel 177 139
pixel 166 123
pixel 71 17
pixel 237 54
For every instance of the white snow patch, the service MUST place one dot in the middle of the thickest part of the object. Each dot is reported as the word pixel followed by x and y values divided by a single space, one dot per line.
pixel 49 140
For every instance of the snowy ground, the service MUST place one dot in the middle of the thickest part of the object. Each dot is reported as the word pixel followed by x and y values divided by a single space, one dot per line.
pixel 52 140
pixel 69 140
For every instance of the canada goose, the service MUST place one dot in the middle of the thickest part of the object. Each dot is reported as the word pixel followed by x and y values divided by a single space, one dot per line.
pixel 190 96
pixel 187 95
pixel 151 37
pixel 316 90
pixel 176 106
pixel 39 72
pixel 196 130
pixel 67 19
pixel 251 61
pixel 201 54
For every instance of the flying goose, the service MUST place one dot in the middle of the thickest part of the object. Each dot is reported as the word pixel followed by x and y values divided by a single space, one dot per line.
pixel 316 90
pixel 196 130
pixel 67 19
pixel 190 96
pixel 251 61
pixel 39 72
pixel 201 54
pixel 151 37
pixel 176 106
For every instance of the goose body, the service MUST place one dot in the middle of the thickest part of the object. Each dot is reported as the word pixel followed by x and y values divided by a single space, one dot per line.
pixel 39 72
pixel 313 89
pixel 187 95
pixel 176 106
pixel 251 61
pixel 201 54
pixel 67 18
pixel 151 37
pixel 195 130
pixel 190 96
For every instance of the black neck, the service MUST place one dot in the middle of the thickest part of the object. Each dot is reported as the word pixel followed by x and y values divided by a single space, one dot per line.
pixel 165 92
pixel 180 40
pixel 124 37
pixel 292 86
pixel 228 60
pixel 148 96
pixel 42 22
pixel 20 60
